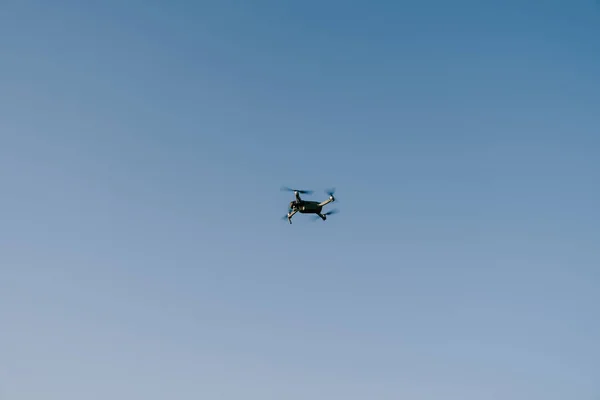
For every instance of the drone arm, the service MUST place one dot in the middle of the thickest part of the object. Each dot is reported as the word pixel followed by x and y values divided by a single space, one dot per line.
pixel 291 214
pixel 329 200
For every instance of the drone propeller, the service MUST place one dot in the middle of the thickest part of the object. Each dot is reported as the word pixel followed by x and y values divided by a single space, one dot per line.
pixel 330 192
pixel 285 188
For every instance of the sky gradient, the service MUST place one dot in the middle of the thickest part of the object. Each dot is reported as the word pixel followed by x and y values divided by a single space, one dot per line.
pixel 142 251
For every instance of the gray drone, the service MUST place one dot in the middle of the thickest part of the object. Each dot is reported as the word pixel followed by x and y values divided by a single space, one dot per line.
pixel 308 207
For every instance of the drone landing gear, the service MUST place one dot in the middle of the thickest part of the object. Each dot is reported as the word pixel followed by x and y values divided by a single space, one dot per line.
pixel 323 216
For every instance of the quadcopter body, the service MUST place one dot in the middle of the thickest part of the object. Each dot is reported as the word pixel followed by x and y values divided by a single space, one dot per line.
pixel 299 205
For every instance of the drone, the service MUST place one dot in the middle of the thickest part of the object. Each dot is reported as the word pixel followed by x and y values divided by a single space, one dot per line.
pixel 306 206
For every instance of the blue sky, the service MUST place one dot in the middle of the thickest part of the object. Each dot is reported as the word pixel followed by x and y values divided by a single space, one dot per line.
pixel 143 145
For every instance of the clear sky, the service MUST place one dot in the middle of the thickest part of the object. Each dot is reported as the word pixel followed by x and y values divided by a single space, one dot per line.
pixel 142 148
